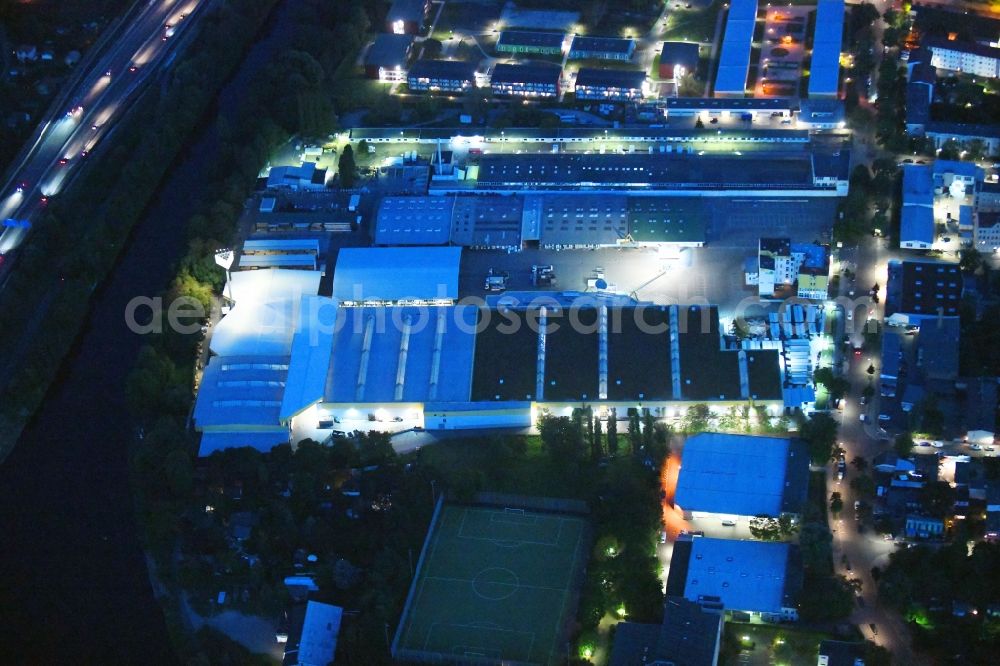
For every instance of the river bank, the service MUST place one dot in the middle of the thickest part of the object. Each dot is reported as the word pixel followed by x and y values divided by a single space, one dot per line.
pixel 75 583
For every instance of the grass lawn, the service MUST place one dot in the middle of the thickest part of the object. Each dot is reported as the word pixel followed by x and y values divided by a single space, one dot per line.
pixel 686 25
pixel 495 583
pixel 358 92
pixel 770 644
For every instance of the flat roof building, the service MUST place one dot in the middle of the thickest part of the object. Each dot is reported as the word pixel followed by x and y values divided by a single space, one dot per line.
pixel 678 59
pixel 396 351
pixel 413 221
pixel 757 577
pixel 487 221
pixel 688 636
pixel 406 17
pixel 386 275
pixel 583 220
pixel 531 41
pixel 388 56
pixel 734 60
pixel 601 48
pixel 821 114
pixel 526 80
pixel 317 644
pixel 651 173
pixel 305 176
pixel 824 72
pixel 923 289
pixel 610 85
pixel 455 76
pixel 917 217
pixel 402 355
pixel 678 220
pixel 742 476
pixel 255 376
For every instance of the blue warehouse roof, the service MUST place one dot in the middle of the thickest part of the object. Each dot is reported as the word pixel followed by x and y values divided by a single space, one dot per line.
pixel 742 475
pixel 918 185
pixel 734 61
pixel 396 273
pixel 824 72
pixel 744 575
pixel 374 363
pixel 241 391
pixel 916 225
pixel 414 221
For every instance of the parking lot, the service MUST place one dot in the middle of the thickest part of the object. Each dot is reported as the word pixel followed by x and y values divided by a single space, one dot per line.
pixel 712 274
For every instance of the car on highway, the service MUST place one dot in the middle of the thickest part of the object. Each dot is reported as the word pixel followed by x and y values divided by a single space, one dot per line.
pixel 133 68
pixel 63 161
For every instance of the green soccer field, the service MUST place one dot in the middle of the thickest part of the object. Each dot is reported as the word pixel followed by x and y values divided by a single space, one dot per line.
pixel 494 585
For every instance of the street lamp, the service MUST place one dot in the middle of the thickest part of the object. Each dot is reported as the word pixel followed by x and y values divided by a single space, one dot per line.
pixel 224 258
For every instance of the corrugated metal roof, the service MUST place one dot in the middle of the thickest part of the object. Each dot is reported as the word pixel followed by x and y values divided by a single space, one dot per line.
pixel 734 60
pixel 263 319
pixel 824 72
pixel 745 575
pixel 309 364
pixel 738 474
pixel 918 185
pixel 278 261
pixel 414 220
pixel 241 392
pixel 916 225
pixel 396 273
pixel 218 441
pixel 434 364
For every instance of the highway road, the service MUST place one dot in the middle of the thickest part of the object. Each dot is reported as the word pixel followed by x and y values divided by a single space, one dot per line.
pixel 85 114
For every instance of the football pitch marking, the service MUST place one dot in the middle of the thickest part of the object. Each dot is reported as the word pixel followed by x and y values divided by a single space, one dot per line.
pixel 480 650
pixel 504 518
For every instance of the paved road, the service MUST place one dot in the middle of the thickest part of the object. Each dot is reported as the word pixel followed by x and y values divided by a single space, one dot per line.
pixel 856 553
pixel 71 131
